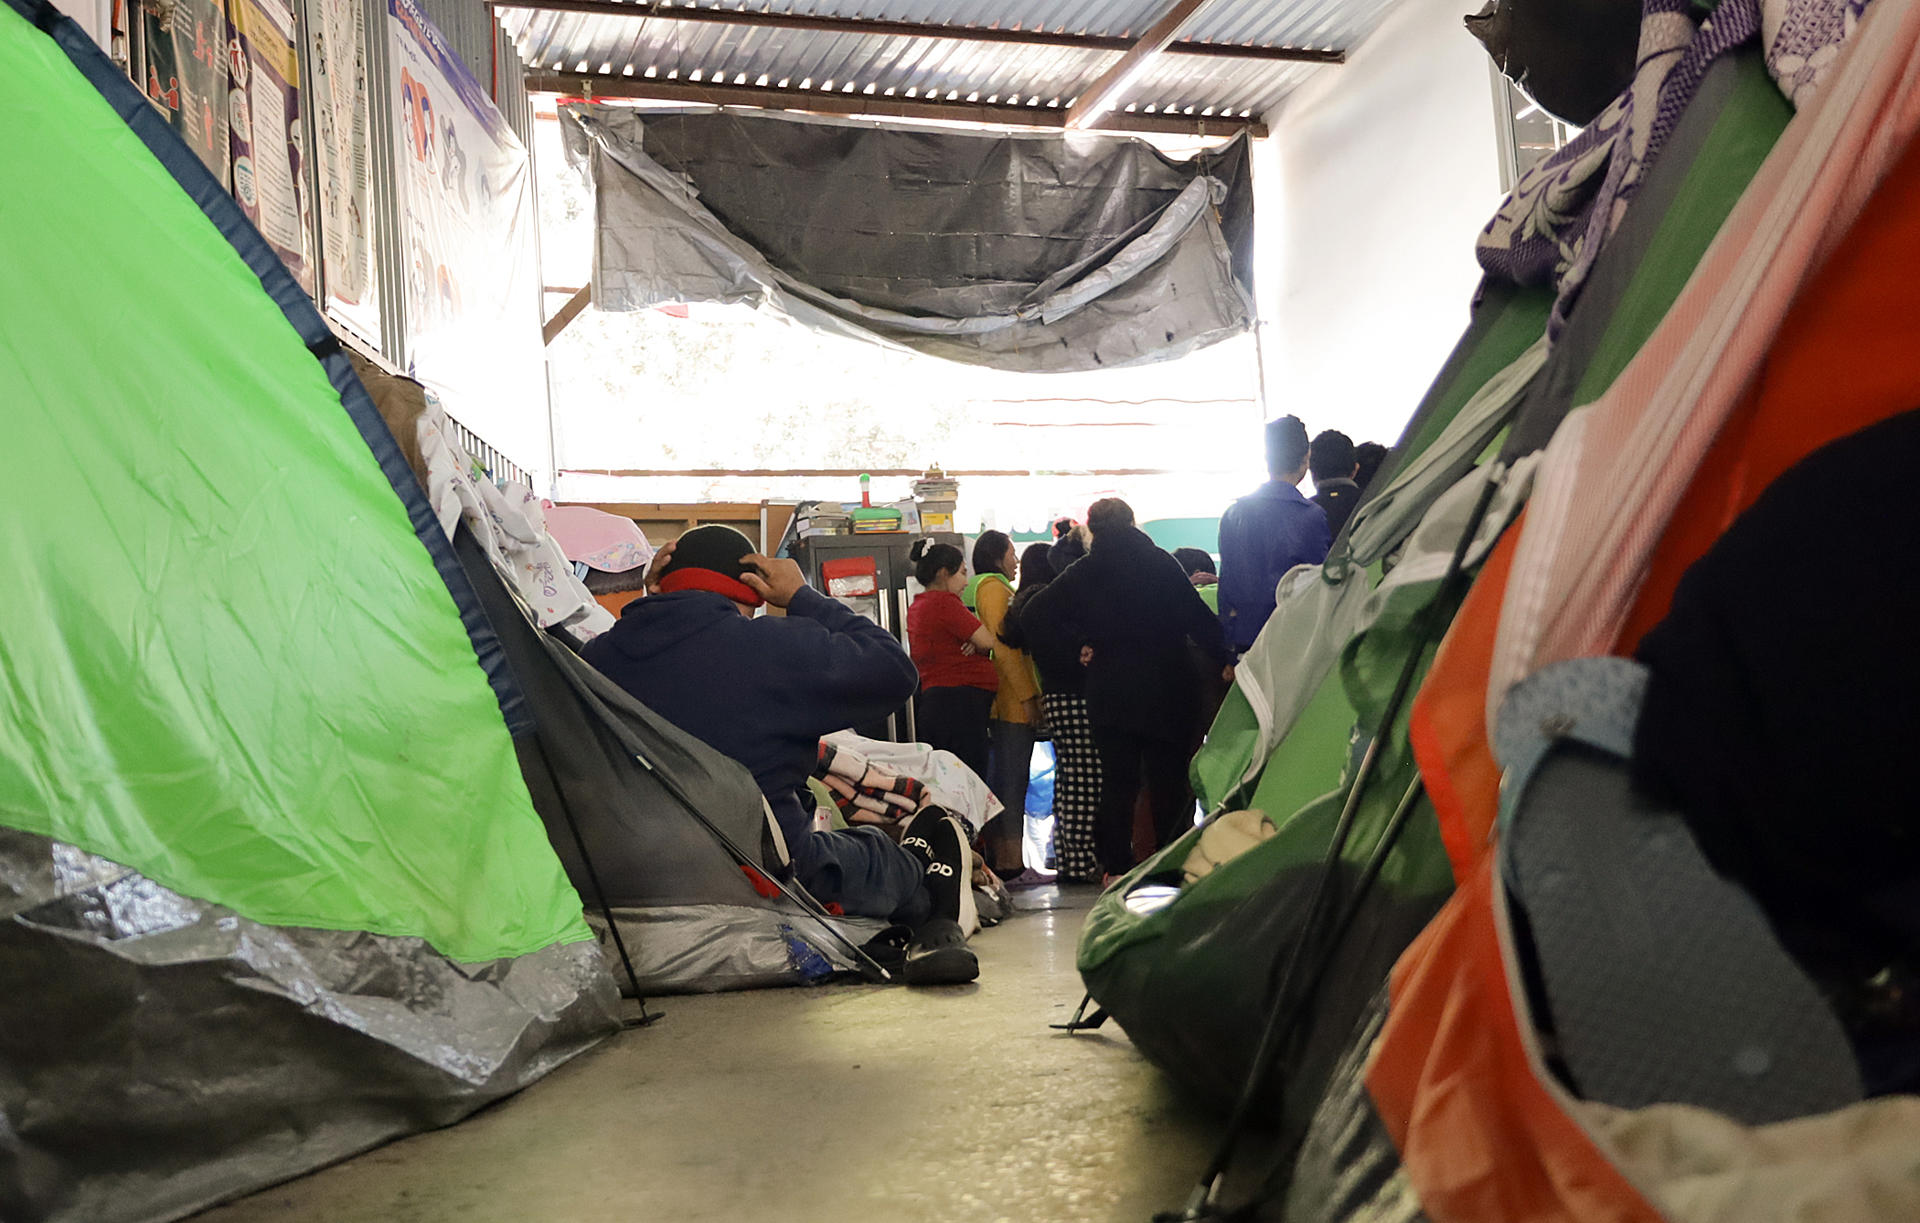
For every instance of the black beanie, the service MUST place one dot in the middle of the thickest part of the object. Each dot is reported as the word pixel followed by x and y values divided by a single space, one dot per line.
pixel 709 558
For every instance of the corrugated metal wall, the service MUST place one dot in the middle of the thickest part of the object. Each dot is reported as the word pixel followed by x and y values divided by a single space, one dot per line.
pixel 469 27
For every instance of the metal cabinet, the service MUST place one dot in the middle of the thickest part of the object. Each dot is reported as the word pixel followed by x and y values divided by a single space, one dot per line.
pixel 893 572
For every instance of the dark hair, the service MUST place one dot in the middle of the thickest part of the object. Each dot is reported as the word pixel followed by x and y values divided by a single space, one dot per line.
pixel 930 556
pixel 1330 457
pixel 1061 555
pixel 1063 527
pixel 1194 560
pixel 1036 569
pixel 990 552
pixel 1107 514
pixel 1286 445
pixel 600 582
pixel 1369 455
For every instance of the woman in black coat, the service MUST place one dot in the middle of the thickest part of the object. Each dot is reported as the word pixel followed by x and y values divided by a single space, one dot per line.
pixel 1135 610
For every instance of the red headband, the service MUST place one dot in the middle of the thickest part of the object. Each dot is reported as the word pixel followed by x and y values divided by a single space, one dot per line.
pixel 694 578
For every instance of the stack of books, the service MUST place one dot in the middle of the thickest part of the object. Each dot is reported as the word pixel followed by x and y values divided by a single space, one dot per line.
pixel 936 488
pixel 876 520
pixel 823 519
pixel 936 492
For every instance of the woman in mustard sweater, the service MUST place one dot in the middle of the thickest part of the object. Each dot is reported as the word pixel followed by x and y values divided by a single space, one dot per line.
pixel 1016 706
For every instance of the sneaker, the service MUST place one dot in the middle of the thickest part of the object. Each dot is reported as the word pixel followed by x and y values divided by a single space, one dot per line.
pixel 916 833
pixel 950 873
pixel 939 955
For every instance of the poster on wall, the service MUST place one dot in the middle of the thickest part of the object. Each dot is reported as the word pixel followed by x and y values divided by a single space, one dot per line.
pixel 338 116
pixel 466 208
pixel 265 130
pixel 187 73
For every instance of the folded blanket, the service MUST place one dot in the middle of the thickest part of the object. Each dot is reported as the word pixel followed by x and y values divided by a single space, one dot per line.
pixel 865 792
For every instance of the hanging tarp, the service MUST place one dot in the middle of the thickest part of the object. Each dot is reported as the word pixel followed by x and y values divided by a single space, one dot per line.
pixel 1035 252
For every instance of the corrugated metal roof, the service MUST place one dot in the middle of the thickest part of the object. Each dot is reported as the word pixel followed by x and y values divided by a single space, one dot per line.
pixel 919 67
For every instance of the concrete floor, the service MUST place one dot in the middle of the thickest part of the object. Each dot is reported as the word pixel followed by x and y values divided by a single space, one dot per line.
pixel 833 1105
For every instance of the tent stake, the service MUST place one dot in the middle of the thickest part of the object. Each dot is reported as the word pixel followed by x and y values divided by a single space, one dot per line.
pixel 1089 1023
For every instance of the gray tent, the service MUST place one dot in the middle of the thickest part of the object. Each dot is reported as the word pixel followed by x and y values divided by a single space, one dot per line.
pixel 669 836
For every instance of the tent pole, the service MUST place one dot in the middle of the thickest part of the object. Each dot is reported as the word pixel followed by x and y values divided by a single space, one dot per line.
pixel 628 740
pixel 809 905
pixel 599 893
pixel 1204 1203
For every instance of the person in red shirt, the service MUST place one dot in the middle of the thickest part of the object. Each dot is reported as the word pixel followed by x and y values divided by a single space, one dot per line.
pixel 953 651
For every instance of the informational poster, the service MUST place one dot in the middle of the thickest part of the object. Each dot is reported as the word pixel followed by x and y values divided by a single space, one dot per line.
pixel 338 116
pixel 265 129
pixel 187 73
pixel 466 206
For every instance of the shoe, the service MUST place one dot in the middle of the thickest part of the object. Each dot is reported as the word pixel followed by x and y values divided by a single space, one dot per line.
pixel 915 832
pixel 1027 878
pixel 939 955
pixel 937 837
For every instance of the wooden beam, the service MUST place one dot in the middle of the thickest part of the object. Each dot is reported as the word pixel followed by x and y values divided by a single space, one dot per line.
pixel 581 299
pixel 1100 97
pixel 820 101
pixel 914 29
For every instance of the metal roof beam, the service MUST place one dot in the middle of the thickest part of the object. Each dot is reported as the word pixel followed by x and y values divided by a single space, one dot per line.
pixel 1101 96
pixel 913 29
pixel 820 101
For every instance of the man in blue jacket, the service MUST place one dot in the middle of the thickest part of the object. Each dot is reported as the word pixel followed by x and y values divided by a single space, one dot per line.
pixel 764 691
pixel 1266 533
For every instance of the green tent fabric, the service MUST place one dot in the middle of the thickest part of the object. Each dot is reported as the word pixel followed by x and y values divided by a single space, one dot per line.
pixel 230 664
pixel 1748 115
pixel 1191 981
pixel 1504 328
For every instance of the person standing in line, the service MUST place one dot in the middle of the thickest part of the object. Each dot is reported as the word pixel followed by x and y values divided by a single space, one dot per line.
pixel 1199 567
pixel 1015 717
pixel 1054 643
pixel 1331 460
pixel 1266 533
pixel 954 653
pixel 1368 456
pixel 1136 610
pixel 1203 573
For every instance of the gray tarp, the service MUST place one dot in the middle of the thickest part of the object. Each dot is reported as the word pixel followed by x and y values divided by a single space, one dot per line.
pixel 159 1054
pixel 1035 252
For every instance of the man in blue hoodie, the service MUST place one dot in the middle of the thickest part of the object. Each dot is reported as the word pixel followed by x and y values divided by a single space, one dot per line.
pixel 1266 533
pixel 764 691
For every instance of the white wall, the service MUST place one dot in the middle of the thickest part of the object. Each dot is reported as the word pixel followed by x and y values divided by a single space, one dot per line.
pixel 1378 176
pixel 94 16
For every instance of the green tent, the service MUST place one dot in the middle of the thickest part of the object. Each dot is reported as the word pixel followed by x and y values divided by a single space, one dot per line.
pixel 263 834
pixel 1307 923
